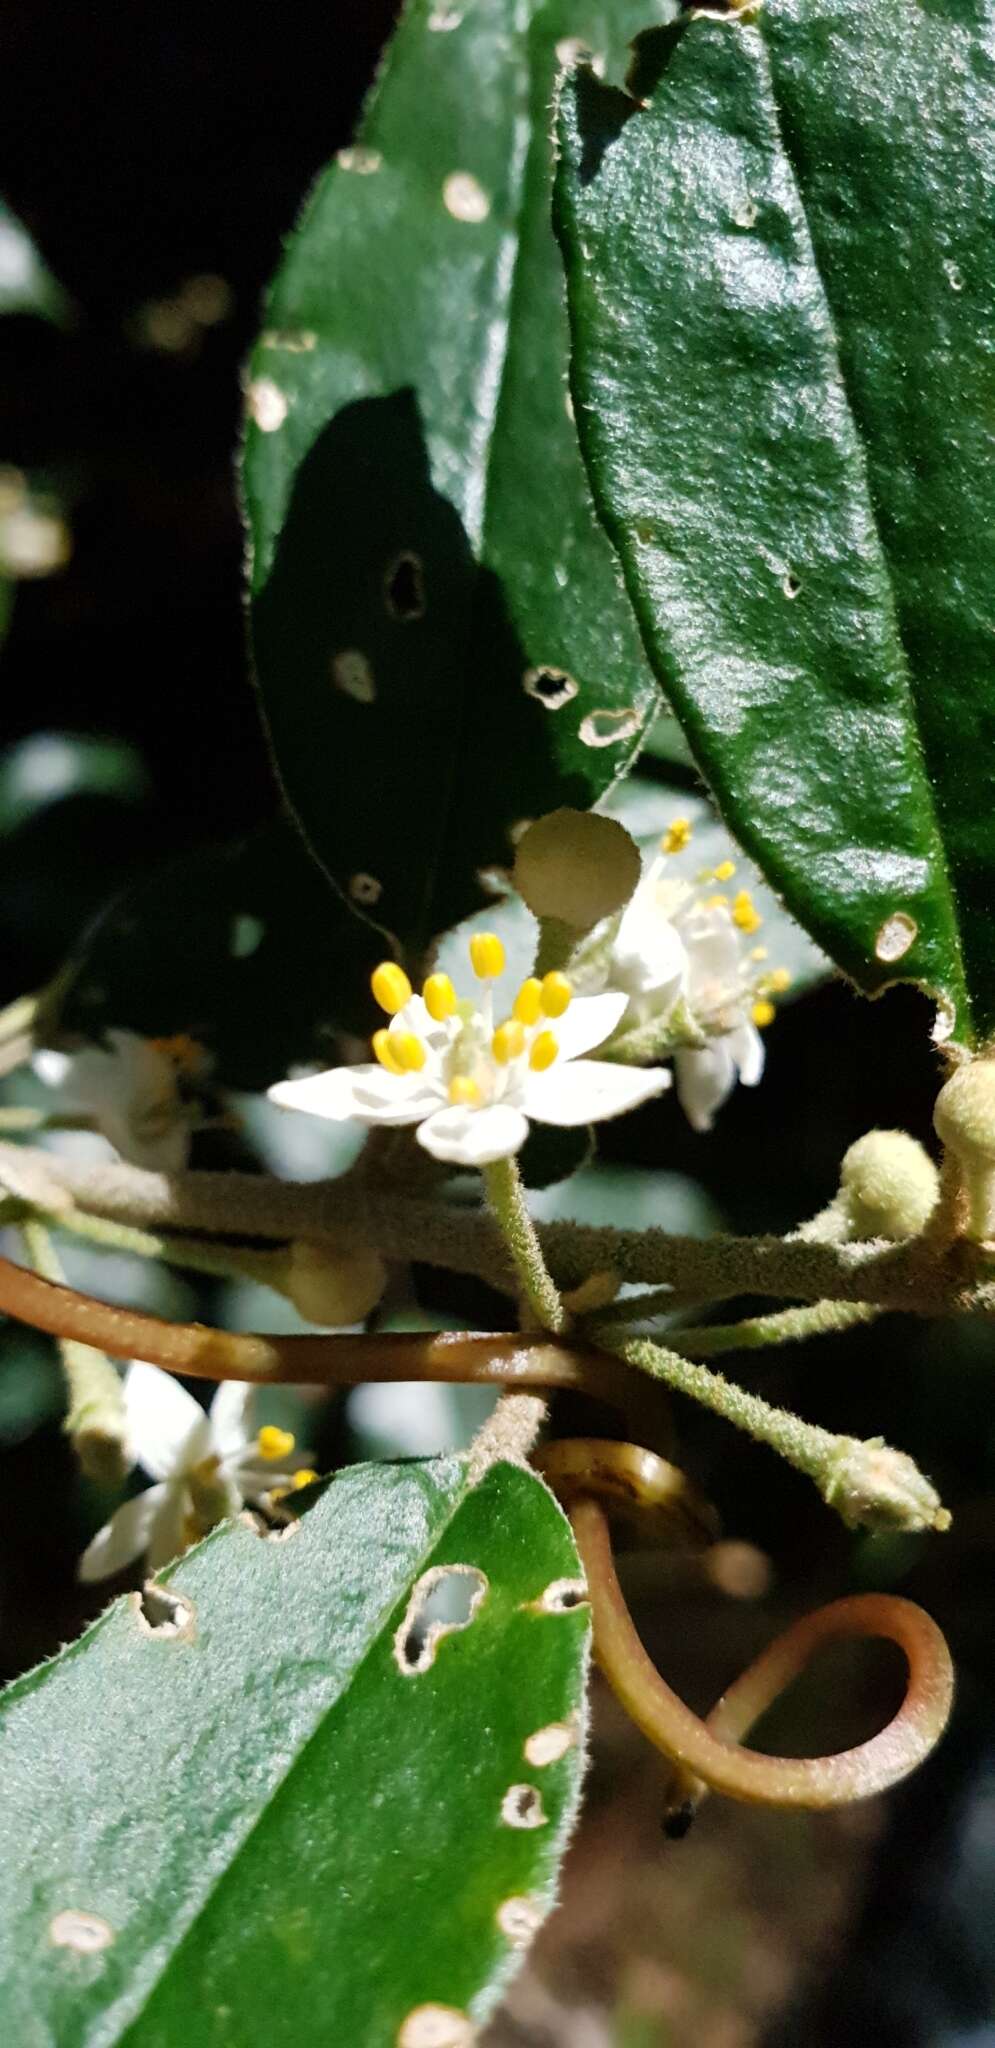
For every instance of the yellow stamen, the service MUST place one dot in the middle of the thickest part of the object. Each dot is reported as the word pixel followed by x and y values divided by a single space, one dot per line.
pixel 508 1041
pixel 527 1005
pixel 305 1477
pixel 544 1051
pixel 463 1092
pixel 763 1013
pixel 486 956
pixel 408 1051
pixel 745 913
pixel 273 1443
pixel 725 871
pixel 385 1050
pixel 677 836
pixel 440 997
pixel 556 994
pixel 391 987
pixel 776 981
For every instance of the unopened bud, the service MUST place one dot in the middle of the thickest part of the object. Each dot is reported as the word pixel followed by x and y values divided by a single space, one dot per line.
pixel 576 867
pixel 964 1118
pixel 873 1487
pixel 889 1185
pixel 332 1288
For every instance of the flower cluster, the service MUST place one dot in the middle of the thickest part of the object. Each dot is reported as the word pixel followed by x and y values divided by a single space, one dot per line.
pixel 205 1466
pixel 469 1084
pixel 683 955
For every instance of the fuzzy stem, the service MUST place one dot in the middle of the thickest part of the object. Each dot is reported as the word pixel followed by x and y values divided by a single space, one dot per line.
pixel 506 1196
pixel 196 1255
pixel 95 1418
pixel 784 1326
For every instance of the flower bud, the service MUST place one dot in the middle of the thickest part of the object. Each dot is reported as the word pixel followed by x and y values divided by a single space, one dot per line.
pixel 332 1288
pixel 873 1487
pixel 964 1118
pixel 889 1185
pixel 576 867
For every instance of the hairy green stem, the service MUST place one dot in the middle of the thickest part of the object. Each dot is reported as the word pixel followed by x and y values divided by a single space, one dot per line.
pixel 784 1326
pixel 507 1198
pixel 196 1255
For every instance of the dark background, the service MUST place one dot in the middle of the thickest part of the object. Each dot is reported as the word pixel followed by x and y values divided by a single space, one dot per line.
pixel 143 148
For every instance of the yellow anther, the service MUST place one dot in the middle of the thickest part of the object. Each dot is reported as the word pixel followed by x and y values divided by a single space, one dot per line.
pixel 725 871
pixel 391 987
pixel 556 994
pixel 544 1051
pixel 677 836
pixel 508 1041
pixel 527 1006
pixel 408 1051
pixel 777 980
pixel 763 1013
pixel 486 956
pixel 463 1092
pixel 273 1443
pixel 385 1050
pixel 440 997
pixel 305 1477
pixel 745 913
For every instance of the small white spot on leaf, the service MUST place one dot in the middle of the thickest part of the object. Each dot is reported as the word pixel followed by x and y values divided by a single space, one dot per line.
pixel 363 161
pixel 365 889
pixel 790 584
pixel 561 1596
pixel 464 197
pixel 548 1745
pixel 436 2026
pixel 607 728
pixel 895 937
pixel 163 1614
pixel 443 19
pixel 443 1601
pixel 946 1018
pixel 268 405
pixel 954 277
pixel 745 214
pixel 85 1933
pixel 522 1807
pixel 352 674
pixel 293 341
pixel 519 1920
pixel 551 686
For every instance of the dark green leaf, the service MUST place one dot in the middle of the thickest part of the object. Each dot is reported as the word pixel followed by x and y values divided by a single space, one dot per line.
pixel 261 1825
pixel 782 295
pixel 441 642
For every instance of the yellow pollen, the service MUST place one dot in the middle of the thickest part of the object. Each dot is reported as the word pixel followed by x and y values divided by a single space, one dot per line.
pixel 677 836
pixel 486 956
pixel 408 1051
pixel 544 1051
pixel 508 1041
pixel 305 1477
pixel 556 994
pixel 527 1006
pixel 391 987
pixel 758 953
pixel 273 1443
pixel 777 981
pixel 463 1092
pixel 745 913
pixel 725 871
pixel 385 1050
pixel 763 1013
pixel 440 997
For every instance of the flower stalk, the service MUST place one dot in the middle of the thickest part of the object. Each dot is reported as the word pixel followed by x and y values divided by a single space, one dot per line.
pixel 95 1418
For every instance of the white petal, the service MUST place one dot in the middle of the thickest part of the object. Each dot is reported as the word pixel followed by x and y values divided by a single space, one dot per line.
pixel 230 1417
pixel 704 1078
pixel 123 1538
pixel 51 1067
pixel 474 1137
pixel 587 1091
pixel 367 1093
pixel 165 1423
pixel 588 1022
pixel 747 1049
pixel 167 1538
pixel 648 956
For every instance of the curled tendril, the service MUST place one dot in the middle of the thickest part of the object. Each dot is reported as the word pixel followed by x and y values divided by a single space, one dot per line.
pixel 584 1474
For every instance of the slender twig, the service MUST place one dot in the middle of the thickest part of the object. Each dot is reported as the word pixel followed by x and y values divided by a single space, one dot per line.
pixel 784 1326
pixel 507 1198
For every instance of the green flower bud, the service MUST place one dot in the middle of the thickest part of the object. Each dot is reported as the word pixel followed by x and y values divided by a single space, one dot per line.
pixel 889 1185
pixel 332 1288
pixel 873 1487
pixel 964 1118
pixel 576 867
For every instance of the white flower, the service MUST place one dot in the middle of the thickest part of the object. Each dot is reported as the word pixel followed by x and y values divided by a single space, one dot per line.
pixel 471 1088
pixel 132 1091
pixel 681 952
pixel 204 1466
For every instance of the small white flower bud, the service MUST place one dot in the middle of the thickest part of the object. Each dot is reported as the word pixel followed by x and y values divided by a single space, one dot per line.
pixel 873 1487
pixel 332 1288
pixel 889 1185
pixel 576 867
pixel 964 1118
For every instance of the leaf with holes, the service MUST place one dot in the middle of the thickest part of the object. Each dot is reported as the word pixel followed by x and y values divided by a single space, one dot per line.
pixel 245 947
pixel 441 642
pixel 325 1778
pixel 782 297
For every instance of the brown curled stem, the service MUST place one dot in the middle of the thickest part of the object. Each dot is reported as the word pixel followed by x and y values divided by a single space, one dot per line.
pixel 504 1359
pixel 708 1753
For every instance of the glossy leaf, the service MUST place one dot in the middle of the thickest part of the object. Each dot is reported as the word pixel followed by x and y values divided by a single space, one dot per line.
pixel 782 296
pixel 441 642
pixel 293 1833
pixel 245 947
